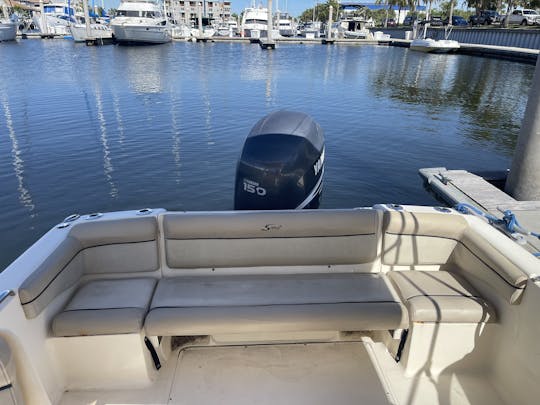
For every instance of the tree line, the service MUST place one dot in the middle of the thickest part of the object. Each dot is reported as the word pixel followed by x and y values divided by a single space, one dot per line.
pixel 321 11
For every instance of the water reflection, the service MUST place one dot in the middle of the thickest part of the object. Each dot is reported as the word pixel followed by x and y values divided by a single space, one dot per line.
pixel 269 87
pixel 469 84
pixel 108 168
pixel 175 129
pixel 118 115
pixel 146 68
pixel 207 104
pixel 25 198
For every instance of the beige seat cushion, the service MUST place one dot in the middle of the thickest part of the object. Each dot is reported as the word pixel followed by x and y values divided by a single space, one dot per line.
pixel 103 307
pixel 299 302
pixel 440 296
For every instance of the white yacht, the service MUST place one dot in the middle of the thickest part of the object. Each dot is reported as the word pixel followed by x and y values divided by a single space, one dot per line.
pixel 353 28
pixel 8 26
pixel 55 19
pixel 141 21
pixel 284 24
pixel 254 22
pixel 311 30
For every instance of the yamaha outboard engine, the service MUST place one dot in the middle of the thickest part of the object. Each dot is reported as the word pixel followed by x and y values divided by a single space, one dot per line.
pixel 282 164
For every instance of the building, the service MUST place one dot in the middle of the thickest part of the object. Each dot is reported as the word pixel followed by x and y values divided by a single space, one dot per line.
pixel 188 10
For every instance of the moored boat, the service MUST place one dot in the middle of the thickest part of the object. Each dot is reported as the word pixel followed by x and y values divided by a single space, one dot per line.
pixel 54 18
pixel 8 30
pixel 254 22
pixel 141 22
pixel 97 31
pixel 8 25
pixel 430 45
pixel 284 24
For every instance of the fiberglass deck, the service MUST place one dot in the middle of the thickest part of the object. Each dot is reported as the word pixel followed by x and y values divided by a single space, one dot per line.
pixel 315 373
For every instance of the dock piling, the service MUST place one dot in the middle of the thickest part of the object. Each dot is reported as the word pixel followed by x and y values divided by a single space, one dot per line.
pixel 523 181
pixel 269 42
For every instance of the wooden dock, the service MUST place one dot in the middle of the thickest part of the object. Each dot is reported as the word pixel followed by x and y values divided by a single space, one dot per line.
pixel 461 186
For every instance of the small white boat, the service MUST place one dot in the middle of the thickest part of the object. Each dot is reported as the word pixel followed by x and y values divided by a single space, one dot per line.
pixel 8 30
pixel 205 32
pixel 434 45
pixel 8 26
pixel 97 31
pixel 353 28
pixel 430 45
pixel 55 19
pixel 180 31
pixel 227 28
pixel 141 21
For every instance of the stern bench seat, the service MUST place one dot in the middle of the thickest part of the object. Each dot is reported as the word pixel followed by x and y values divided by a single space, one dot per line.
pixel 291 271
pixel 277 303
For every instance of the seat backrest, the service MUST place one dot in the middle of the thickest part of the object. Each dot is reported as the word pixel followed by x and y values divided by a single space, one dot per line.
pixel 420 238
pixel 465 245
pixel 246 239
pixel 100 246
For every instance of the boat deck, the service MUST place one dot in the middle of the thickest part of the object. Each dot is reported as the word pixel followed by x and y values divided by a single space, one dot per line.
pixel 360 372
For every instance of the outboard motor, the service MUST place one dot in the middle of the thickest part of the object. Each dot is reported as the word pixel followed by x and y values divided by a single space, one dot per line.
pixel 282 164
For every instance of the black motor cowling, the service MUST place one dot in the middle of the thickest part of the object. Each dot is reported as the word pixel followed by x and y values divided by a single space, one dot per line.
pixel 282 164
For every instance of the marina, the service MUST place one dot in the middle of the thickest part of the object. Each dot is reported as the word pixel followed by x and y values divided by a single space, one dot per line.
pixel 245 217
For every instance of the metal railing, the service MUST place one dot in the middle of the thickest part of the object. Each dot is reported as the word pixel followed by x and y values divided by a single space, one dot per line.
pixel 5 294
pixel 518 38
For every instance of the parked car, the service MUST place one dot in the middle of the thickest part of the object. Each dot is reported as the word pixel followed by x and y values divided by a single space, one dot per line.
pixel 522 17
pixel 434 21
pixel 389 23
pixel 457 21
pixel 409 20
pixel 485 17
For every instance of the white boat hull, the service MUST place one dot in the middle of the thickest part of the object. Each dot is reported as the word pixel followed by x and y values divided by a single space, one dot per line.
pixel 356 34
pixel 180 32
pixel 8 31
pixel 206 32
pixel 429 45
pixel 53 25
pixel 144 34
pixel 97 31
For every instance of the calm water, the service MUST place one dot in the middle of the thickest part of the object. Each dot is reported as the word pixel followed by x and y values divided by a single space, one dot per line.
pixel 86 129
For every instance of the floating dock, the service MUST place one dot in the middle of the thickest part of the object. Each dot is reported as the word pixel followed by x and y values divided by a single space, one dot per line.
pixel 501 52
pixel 495 51
pixel 461 186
